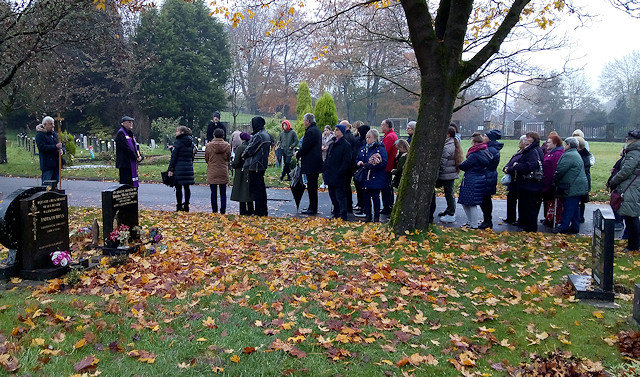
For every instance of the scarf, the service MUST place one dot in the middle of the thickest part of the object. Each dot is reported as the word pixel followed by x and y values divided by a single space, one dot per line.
pixel 131 142
pixel 477 147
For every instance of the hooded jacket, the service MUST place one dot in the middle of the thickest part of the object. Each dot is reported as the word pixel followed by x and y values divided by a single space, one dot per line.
pixel 288 140
pixel 217 155
pixel 256 154
pixel 622 181
pixel 492 170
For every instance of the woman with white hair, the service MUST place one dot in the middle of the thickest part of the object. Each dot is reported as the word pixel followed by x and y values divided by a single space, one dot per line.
pixel 411 127
pixel 579 133
pixel 570 182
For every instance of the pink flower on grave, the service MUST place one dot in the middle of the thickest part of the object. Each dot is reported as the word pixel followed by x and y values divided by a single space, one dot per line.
pixel 60 258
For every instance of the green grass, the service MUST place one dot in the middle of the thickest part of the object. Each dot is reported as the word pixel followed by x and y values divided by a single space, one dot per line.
pixel 21 163
pixel 341 286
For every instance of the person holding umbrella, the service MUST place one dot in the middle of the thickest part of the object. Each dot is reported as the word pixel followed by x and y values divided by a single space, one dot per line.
pixel 336 167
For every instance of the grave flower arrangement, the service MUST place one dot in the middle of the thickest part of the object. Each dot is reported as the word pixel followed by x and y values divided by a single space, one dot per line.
pixel 121 235
pixel 155 236
pixel 60 258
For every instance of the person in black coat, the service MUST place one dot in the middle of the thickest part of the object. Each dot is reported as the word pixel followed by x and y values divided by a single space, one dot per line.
pixel 310 153
pixel 256 157
pixel 215 124
pixel 353 144
pixel 491 138
pixel 181 166
pixel 127 153
pixel 360 142
pixel 529 176
pixel 337 167
pixel 49 151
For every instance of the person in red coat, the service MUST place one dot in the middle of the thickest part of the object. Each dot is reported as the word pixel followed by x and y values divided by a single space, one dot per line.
pixel 389 141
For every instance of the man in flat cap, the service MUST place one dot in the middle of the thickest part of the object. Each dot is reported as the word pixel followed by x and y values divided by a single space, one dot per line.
pixel 127 153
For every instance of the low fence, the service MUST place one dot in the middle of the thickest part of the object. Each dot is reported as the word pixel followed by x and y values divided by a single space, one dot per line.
pixel 606 132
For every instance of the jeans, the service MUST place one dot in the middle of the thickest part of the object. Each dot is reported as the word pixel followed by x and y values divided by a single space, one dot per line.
pixel 286 167
pixel 570 214
pixel 52 175
pixel 258 192
pixel 339 201
pixel 372 195
pixel 214 197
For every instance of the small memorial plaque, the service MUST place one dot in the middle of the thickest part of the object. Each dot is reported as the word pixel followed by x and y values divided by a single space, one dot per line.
pixel 599 286
pixel 119 206
pixel 45 217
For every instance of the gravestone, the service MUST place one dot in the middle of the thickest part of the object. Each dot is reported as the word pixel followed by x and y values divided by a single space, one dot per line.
pixel 45 229
pixel 153 144
pixel 10 225
pixel 599 286
pixel 120 206
pixel 636 304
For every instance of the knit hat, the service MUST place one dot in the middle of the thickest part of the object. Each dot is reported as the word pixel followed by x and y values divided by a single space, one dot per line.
pixel 362 131
pixel 494 135
pixel 342 128
pixel 216 114
pixel 634 134
pixel 244 136
pixel 257 124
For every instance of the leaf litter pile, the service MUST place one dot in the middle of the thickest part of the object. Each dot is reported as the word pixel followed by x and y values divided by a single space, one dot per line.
pixel 272 296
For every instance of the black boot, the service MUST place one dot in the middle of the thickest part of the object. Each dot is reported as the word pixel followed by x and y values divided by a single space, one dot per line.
pixel 185 207
pixel 376 219
pixel 178 207
pixel 367 219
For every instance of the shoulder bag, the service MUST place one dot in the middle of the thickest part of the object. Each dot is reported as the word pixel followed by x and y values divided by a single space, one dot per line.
pixel 618 197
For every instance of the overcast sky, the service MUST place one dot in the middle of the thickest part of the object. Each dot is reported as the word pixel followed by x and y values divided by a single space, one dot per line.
pixel 610 34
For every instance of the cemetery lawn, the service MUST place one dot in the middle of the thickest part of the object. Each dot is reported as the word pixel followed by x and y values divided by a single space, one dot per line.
pixel 312 297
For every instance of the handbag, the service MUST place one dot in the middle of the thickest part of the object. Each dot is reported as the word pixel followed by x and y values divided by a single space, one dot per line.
pixel 167 180
pixel 505 180
pixel 360 175
pixel 616 199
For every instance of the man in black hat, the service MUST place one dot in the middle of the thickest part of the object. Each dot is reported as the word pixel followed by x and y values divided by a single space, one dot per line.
pixel 127 153
pixel 215 124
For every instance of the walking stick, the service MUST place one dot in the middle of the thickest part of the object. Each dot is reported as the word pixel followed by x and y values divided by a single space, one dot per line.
pixel 59 119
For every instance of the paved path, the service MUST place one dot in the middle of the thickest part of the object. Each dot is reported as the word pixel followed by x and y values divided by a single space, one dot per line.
pixel 160 197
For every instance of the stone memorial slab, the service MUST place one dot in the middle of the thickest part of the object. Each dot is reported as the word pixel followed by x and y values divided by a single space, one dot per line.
pixel 45 229
pixel 599 286
pixel 636 304
pixel 119 207
pixel 10 225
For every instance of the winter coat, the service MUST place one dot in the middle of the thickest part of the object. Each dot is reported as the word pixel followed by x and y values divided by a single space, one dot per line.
pixel 492 170
pixel 47 149
pixel 375 174
pixel 473 185
pixel 182 160
pixel 389 141
pixel 570 179
pixel 338 163
pixel 235 140
pixel 628 170
pixel 448 170
pixel 529 162
pixel 240 192
pixel 217 155
pixel 124 154
pixel 400 161
pixel 353 144
pixel 513 186
pixel 288 142
pixel 212 127
pixel 256 154
pixel 310 152
pixel 586 160
pixel 549 166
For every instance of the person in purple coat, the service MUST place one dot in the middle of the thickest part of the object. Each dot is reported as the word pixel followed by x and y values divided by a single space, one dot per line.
pixel 549 166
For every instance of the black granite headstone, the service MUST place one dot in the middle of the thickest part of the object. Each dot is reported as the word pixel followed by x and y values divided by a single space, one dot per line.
pixel 119 205
pixel 599 286
pixel 636 304
pixel 10 225
pixel 45 229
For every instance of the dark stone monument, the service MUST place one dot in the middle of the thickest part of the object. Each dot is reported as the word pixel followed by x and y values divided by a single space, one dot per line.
pixel 599 286
pixel 517 128
pixel 119 206
pixel 636 304
pixel 10 226
pixel 45 229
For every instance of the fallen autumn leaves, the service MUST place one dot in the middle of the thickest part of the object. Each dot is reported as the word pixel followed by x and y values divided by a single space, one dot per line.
pixel 254 296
